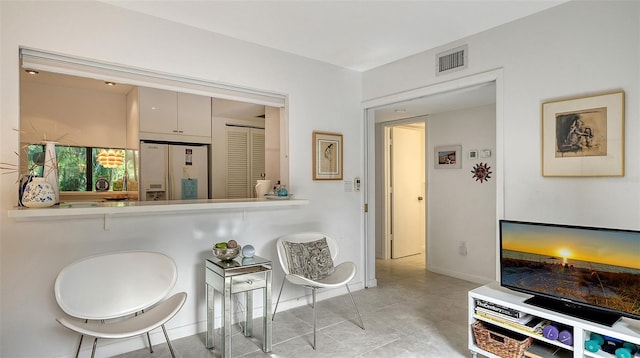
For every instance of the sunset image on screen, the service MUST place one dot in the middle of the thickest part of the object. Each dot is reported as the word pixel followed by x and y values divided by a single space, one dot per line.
pixel 621 247
pixel 598 267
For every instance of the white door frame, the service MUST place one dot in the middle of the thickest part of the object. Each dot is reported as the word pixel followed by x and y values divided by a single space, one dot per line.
pixel 369 184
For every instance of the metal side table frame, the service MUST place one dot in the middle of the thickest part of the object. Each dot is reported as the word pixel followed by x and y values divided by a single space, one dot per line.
pixel 237 276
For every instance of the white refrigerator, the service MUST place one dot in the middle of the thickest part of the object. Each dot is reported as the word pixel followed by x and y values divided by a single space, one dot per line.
pixel 173 171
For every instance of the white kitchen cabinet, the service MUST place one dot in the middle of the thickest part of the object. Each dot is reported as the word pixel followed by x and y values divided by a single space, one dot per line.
pixel 194 115
pixel 626 329
pixel 173 116
pixel 158 110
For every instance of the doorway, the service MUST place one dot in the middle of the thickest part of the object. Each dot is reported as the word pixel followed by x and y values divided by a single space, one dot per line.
pixel 443 97
pixel 404 189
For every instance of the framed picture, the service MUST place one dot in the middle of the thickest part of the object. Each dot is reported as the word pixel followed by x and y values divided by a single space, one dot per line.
pixel 583 136
pixel 473 154
pixel 448 157
pixel 327 156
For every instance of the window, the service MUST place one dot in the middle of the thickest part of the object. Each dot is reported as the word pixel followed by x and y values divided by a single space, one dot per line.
pixel 79 168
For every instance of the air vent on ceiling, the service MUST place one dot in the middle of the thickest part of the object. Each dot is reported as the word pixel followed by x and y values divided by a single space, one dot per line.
pixel 452 60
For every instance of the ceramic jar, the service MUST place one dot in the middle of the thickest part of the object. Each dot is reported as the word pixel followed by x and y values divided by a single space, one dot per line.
pixel 262 188
pixel 38 193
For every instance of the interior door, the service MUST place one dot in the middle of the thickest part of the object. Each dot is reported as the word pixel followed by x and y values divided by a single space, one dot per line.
pixel 407 194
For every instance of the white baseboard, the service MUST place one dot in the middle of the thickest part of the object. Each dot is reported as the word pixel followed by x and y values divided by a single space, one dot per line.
pixel 460 275
pixel 112 347
pixel 372 283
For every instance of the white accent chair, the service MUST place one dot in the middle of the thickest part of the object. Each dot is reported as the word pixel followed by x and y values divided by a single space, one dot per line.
pixel 118 295
pixel 341 275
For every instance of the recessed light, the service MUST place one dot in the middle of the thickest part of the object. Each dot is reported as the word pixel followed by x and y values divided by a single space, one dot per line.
pixel 31 72
pixel 109 83
pixel 400 110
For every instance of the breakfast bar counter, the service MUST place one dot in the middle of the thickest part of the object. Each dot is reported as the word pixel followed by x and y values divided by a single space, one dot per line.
pixel 114 208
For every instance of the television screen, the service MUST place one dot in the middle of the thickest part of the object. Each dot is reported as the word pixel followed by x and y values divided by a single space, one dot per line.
pixel 593 273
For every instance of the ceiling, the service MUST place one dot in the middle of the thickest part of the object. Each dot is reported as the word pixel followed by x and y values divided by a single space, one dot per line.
pixel 469 97
pixel 359 35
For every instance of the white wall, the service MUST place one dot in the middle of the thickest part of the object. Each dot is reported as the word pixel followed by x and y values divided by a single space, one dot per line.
pixel 461 208
pixel 73 116
pixel 576 49
pixel 321 97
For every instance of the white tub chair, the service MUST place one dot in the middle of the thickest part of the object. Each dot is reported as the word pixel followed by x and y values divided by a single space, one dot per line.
pixel 308 261
pixel 118 295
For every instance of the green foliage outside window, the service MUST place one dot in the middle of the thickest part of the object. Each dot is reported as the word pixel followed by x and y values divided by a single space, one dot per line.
pixel 75 172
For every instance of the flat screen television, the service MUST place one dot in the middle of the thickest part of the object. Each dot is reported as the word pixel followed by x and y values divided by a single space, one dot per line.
pixel 587 272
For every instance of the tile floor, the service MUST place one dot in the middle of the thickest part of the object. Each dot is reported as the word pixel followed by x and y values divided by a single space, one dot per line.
pixel 412 313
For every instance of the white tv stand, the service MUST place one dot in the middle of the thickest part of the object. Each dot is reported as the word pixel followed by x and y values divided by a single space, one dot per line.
pixel 625 329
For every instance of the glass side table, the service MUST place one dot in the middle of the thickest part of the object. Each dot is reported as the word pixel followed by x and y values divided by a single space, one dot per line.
pixel 236 276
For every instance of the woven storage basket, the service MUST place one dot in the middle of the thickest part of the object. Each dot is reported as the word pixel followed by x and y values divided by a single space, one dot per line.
pixel 503 343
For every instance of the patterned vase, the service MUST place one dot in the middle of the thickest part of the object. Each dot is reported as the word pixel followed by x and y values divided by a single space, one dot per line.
pixel 38 193
pixel 24 180
pixel 50 172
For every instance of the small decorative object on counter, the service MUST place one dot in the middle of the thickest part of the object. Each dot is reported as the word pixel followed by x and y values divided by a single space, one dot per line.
pixel 248 251
pixel 24 180
pixel 262 188
pixel 282 191
pixel 118 185
pixel 102 184
pixel 50 171
pixel 38 193
pixel 226 251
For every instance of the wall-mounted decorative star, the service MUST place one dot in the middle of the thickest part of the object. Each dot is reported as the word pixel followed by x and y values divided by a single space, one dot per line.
pixel 481 172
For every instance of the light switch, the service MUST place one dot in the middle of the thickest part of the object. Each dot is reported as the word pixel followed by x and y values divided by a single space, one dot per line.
pixel 348 186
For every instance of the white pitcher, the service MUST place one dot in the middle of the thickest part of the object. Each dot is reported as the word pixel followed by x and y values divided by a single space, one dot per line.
pixel 263 187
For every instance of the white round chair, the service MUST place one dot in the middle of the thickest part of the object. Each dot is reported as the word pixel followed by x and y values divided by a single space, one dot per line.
pixel 341 274
pixel 118 295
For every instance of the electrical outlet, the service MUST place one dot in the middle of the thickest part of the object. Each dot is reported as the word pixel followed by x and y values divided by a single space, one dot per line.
pixel 462 250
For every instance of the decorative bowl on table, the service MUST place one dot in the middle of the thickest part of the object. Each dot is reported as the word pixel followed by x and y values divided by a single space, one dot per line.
pixel 227 254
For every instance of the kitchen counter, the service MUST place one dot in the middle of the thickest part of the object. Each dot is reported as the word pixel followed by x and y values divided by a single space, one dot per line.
pixel 109 209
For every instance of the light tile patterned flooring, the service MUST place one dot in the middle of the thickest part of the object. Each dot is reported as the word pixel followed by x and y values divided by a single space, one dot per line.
pixel 412 313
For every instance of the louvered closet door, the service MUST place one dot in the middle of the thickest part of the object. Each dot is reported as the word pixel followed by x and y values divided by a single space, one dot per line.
pixel 257 158
pixel 237 163
pixel 245 161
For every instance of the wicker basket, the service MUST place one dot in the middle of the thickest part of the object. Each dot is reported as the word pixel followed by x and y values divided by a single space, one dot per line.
pixel 501 342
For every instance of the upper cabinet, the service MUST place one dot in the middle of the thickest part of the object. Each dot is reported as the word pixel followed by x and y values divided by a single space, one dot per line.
pixel 172 116
pixel 191 111
pixel 158 111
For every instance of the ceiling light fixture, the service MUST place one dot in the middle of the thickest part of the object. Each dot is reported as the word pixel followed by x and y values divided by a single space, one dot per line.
pixel 110 158
pixel 31 72
pixel 109 83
